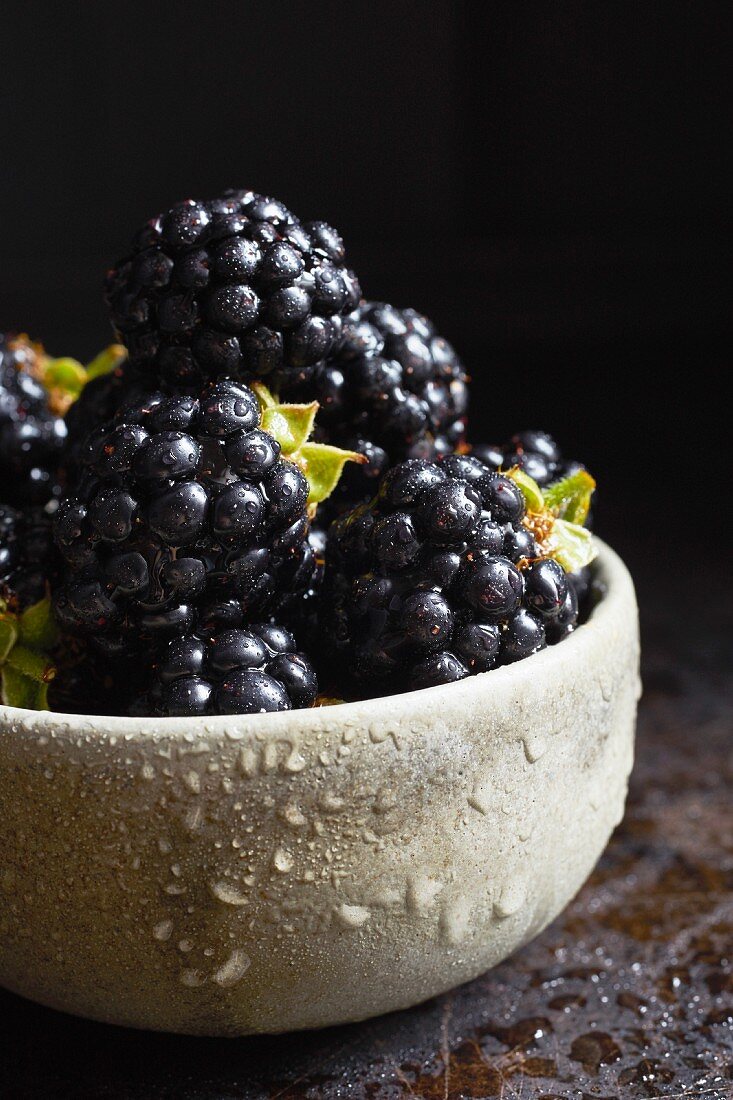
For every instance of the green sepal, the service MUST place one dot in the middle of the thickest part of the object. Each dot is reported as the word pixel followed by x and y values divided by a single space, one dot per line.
pixel 571 545
pixel 64 378
pixel 34 665
pixel 530 489
pixel 323 466
pixel 25 667
pixel 570 498
pixel 37 627
pixel 19 690
pixel 8 637
pixel 291 425
pixel 266 399
pixel 555 516
pixel 107 360
pixel 65 375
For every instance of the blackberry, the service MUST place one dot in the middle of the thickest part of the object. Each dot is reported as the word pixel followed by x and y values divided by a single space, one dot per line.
pixel 31 436
pixel 438 578
pixel 27 561
pixel 235 672
pixel 235 286
pixel 183 508
pixel 392 390
pixel 535 452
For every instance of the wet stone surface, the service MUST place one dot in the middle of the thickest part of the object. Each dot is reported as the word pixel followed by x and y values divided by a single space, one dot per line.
pixel 629 994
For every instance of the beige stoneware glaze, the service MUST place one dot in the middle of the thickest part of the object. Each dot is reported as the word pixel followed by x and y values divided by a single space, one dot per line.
pixel 248 874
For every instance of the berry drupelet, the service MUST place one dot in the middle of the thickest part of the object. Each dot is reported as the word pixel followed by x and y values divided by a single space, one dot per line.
pixel 393 389
pixel 236 671
pixel 438 578
pixel 31 436
pixel 237 286
pixel 184 511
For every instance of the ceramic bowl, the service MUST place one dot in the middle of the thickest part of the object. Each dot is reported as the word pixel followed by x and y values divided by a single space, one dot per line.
pixel 233 875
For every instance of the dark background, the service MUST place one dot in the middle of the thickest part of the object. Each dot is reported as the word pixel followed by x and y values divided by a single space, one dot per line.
pixel 549 182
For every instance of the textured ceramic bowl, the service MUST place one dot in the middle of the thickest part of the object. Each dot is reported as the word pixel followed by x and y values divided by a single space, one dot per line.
pixel 237 875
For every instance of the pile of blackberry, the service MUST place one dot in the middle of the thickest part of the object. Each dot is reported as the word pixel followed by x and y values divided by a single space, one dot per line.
pixel 177 550
pixel 31 436
pixel 393 389
pixel 437 579
pixel 236 286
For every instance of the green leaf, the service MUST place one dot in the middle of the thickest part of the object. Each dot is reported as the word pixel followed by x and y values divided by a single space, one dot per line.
pixel 37 627
pixel 19 690
pixel 323 467
pixel 8 637
pixel 291 425
pixel 571 545
pixel 531 490
pixel 107 360
pixel 570 498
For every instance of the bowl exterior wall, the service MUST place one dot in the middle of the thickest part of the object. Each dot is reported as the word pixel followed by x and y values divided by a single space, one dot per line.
pixel 232 876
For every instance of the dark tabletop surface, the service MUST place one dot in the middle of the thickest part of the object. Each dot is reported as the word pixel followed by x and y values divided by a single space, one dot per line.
pixel 628 994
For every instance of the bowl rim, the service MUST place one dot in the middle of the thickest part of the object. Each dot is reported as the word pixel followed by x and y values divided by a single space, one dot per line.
pixel 611 572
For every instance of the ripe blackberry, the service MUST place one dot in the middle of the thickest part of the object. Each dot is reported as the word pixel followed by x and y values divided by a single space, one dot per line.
pixel 234 286
pixel 27 559
pixel 31 436
pixel 392 390
pixel 535 452
pixel 235 672
pixel 183 507
pixel 439 578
